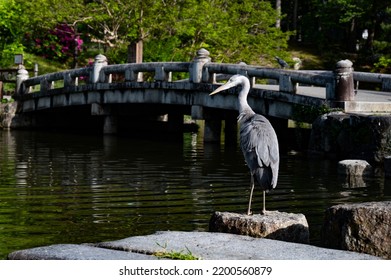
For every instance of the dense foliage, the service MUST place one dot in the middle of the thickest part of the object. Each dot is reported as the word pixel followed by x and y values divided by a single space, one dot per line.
pixel 173 30
pixel 11 35
pixel 232 31
pixel 339 26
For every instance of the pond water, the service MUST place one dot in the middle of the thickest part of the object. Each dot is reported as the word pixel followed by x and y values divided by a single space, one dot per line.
pixel 72 188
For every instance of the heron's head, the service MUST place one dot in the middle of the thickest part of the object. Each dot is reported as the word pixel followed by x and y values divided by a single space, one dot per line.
pixel 232 82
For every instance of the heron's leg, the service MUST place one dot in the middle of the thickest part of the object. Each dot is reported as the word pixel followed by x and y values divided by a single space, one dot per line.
pixel 264 203
pixel 251 195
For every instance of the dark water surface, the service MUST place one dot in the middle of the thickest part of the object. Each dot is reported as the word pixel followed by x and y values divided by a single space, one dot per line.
pixel 67 188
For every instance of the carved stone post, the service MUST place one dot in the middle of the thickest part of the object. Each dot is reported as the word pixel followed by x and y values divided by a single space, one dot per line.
pixel 22 75
pixel 344 83
pixel 197 65
pixel 99 62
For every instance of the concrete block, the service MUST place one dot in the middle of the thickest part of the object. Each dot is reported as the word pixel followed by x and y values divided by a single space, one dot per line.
pixel 112 96
pixel 60 100
pixel 44 103
pixel 77 99
pixel 28 105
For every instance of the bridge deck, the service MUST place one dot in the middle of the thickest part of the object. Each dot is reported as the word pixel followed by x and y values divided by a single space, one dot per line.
pixel 365 101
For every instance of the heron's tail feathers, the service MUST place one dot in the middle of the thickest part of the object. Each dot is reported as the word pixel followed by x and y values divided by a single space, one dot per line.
pixel 264 177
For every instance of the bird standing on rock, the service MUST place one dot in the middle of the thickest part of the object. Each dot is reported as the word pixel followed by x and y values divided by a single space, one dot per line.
pixel 258 141
pixel 282 63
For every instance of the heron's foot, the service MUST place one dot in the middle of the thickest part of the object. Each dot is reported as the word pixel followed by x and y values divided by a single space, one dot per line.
pixel 264 212
pixel 249 212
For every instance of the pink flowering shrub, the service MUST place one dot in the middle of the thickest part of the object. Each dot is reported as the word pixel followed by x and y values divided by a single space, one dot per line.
pixel 58 44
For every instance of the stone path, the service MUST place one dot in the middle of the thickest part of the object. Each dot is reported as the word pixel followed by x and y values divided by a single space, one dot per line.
pixel 204 245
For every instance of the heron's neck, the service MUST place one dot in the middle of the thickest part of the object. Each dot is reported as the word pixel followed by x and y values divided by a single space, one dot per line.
pixel 244 108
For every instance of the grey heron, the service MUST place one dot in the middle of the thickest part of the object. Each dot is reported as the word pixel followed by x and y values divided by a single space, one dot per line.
pixel 258 141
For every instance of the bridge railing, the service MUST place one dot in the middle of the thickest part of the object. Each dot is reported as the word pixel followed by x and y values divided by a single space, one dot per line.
pixel 383 79
pixel 46 82
pixel 133 72
pixel 286 79
pixel 338 83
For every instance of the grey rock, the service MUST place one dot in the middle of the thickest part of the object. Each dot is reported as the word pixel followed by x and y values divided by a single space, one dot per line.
pixel 75 252
pixel 354 167
pixel 355 171
pixel 387 166
pixel 340 135
pixel 359 227
pixel 273 225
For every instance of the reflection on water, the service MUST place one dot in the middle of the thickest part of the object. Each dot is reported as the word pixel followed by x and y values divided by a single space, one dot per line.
pixel 64 188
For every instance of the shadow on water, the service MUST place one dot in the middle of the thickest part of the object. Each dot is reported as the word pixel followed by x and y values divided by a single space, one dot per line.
pixel 64 188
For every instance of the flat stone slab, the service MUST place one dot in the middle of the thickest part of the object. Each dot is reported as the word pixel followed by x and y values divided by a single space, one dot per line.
pixel 75 252
pixel 224 246
pixel 360 227
pixel 204 245
pixel 276 225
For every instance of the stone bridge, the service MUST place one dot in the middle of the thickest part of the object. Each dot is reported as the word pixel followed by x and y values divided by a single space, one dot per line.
pixel 118 97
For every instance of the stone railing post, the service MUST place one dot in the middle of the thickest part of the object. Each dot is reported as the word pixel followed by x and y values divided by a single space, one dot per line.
pixel 386 85
pixel 99 62
pixel 344 83
pixel 21 76
pixel 197 65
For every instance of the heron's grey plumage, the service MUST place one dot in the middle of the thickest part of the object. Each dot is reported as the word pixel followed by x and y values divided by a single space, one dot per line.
pixel 259 145
pixel 258 140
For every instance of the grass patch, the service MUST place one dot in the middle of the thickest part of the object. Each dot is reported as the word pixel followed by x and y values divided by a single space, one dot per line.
pixel 45 66
pixel 175 255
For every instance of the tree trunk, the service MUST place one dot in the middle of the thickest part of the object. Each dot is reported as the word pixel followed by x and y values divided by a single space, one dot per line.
pixel 278 9
pixel 294 21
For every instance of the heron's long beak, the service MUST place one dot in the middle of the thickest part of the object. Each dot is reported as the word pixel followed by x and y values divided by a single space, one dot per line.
pixel 228 85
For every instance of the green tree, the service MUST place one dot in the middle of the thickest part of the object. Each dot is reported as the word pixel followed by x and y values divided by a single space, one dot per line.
pixel 233 31
pixel 11 41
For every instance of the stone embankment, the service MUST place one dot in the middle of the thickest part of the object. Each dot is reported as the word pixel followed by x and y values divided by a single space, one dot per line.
pixel 351 136
pixel 7 112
